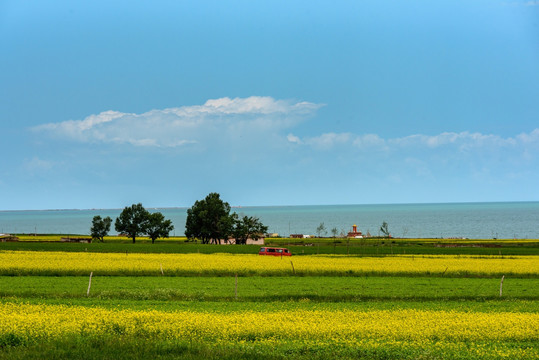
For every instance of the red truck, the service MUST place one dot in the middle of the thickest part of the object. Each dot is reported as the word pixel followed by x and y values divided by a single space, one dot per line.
pixel 273 251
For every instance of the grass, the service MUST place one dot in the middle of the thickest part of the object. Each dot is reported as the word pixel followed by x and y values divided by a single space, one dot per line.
pixel 263 289
pixel 140 247
pixel 121 348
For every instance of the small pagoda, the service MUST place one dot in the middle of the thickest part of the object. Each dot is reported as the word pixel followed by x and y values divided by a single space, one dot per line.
pixel 354 233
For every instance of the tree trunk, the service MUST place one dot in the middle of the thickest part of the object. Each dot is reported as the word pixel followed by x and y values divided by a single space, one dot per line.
pixel 134 239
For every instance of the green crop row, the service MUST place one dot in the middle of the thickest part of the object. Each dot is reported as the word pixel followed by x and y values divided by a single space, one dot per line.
pixel 264 289
pixel 114 347
pixel 356 248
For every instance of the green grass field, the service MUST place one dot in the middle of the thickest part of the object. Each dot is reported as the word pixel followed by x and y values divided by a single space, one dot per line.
pixel 264 289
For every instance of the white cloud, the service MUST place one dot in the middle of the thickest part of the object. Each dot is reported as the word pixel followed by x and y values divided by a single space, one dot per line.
pixel 370 141
pixel 427 156
pixel 76 128
pixel 463 140
pixel 531 138
pixel 459 141
pixel 328 140
pixel 293 139
pixel 175 127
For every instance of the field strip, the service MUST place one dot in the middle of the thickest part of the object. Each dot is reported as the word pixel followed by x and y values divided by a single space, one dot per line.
pixel 49 321
pixel 265 289
pixel 64 263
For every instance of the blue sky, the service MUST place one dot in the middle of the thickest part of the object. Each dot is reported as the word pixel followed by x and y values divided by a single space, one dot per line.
pixel 104 104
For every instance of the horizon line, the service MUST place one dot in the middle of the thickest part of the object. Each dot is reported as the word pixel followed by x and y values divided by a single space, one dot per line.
pixel 296 205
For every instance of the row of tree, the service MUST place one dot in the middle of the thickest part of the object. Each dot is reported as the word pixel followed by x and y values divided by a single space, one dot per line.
pixel 133 221
pixel 208 220
pixel 321 231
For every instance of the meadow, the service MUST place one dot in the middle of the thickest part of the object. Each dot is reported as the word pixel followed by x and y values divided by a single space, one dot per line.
pixel 147 305
pixel 268 289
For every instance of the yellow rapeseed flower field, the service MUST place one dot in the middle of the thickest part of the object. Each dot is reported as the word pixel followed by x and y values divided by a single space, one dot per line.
pixel 67 263
pixel 407 327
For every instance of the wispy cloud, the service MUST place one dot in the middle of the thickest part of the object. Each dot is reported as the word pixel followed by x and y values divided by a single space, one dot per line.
pixel 328 140
pixel 174 127
pixel 462 140
pixel 459 141
pixel 530 138
pixel 293 139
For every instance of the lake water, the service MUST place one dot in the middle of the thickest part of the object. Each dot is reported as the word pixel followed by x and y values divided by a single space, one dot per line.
pixel 470 220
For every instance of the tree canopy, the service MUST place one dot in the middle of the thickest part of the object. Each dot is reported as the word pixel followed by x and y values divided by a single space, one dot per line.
pixel 321 230
pixel 385 229
pixel 132 221
pixel 248 227
pixel 100 227
pixel 157 226
pixel 210 221
pixel 135 220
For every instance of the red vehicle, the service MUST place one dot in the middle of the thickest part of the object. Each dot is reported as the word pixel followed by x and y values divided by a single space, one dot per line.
pixel 274 251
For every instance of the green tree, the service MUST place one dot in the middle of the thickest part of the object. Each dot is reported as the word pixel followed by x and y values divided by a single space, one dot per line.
pixel 132 221
pixel 226 226
pixel 321 230
pixel 248 227
pixel 334 231
pixel 209 220
pixel 157 226
pixel 100 227
pixel 385 229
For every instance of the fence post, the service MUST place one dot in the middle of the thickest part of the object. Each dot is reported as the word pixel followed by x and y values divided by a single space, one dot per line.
pixel 89 284
pixel 501 285
pixel 293 270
